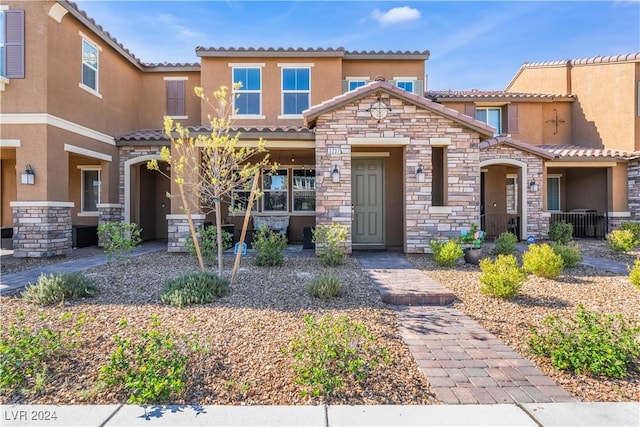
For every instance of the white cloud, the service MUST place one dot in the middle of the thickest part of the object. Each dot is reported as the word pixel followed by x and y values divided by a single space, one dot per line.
pixel 396 15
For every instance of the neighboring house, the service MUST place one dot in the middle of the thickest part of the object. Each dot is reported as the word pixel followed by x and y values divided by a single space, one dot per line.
pixel 357 139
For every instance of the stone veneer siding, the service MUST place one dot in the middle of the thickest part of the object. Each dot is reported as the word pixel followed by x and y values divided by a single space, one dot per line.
pixel 179 231
pixel 537 222
pixel 109 213
pixel 41 229
pixel 421 128
pixel 633 195
pixel 131 152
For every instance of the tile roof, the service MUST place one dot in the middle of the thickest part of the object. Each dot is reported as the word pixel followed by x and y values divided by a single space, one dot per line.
pixel 495 94
pixel 158 134
pixel 577 151
pixel 311 114
pixel 300 51
pixel 630 57
pixel 515 143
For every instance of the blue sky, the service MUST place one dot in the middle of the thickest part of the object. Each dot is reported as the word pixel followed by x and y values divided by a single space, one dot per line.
pixel 473 44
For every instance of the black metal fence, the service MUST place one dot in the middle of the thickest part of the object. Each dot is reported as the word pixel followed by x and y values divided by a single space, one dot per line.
pixel 586 222
pixel 495 223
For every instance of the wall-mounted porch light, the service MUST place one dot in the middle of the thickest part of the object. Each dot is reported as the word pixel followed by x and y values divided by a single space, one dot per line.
pixel 335 174
pixel 533 186
pixel 28 176
pixel 420 173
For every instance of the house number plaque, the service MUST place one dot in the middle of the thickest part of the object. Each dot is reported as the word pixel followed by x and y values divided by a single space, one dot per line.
pixel 333 150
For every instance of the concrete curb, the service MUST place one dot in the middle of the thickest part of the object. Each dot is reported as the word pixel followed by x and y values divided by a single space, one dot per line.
pixel 546 414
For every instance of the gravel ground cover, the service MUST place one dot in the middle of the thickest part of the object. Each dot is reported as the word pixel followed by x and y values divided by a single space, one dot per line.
pixel 245 331
pixel 511 320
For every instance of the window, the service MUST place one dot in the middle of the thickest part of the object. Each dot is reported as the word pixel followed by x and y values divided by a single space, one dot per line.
pixel 248 100
pixel 240 198
pixel 176 90
pixel 275 189
pixel 11 43
pixel 492 117
pixel 89 65
pixel 355 84
pixel 90 189
pixel 438 187
pixel 553 193
pixel 405 84
pixel 304 190
pixel 296 85
pixel 512 194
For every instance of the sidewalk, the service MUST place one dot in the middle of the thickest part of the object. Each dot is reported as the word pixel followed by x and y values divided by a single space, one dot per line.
pixel 551 414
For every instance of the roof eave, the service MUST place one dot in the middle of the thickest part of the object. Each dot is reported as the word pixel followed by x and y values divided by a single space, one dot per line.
pixel 420 56
pixel 267 53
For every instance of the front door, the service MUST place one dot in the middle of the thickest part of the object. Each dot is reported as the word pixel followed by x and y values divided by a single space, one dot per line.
pixel 368 204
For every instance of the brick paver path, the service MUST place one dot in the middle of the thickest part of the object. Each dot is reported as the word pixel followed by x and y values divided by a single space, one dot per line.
pixel 463 362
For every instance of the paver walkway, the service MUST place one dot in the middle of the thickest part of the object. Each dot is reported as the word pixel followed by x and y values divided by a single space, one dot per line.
pixel 463 362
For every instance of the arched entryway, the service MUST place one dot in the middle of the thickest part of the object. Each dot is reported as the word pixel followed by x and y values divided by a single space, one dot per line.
pixel 146 201
pixel 503 197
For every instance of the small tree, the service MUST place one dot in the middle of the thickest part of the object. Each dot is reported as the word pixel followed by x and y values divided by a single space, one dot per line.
pixel 211 166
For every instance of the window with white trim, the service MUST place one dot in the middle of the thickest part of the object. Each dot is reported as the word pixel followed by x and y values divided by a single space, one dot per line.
pixel 492 117
pixel 275 190
pixel 408 85
pixel 176 90
pixel 296 90
pixel 304 190
pixel 248 99
pixel 90 59
pixel 553 193
pixel 90 183
pixel 353 84
pixel 512 194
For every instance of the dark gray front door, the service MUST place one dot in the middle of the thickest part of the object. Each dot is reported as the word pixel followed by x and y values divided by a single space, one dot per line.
pixel 368 204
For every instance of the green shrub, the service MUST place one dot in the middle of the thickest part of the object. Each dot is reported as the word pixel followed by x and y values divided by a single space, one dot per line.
pixel 561 232
pixel 621 241
pixel 501 278
pixel 208 239
pixel 600 344
pixel 326 286
pixel 199 287
pixel 26 355
pixel 505 244
pixel 119 238
pixel 633 227
pixel 56 287
pixel 150 368
pixel 333 351
pixel 330 243
pixel 270 246
pixel 634 274
pixel 542 261
pixel 446 254
pixel 570 253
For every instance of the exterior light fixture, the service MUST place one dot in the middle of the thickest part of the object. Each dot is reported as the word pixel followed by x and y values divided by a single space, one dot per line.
pixel 28 176
pixel 420 173
pixel 533 186
pixel 335 174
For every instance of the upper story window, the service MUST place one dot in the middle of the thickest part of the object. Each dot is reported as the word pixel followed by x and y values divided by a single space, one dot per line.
pixel 11 43
pixel 248 101
pixel 492 117
pixel 296 90
pixel 408 85
pixel 176 91
pixel 90 65
pixel 353 84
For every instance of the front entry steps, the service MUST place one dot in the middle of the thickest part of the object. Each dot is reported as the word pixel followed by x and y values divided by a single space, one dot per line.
pixel 400 283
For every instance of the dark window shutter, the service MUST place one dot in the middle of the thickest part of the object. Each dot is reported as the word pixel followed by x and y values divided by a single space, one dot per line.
pixel 14 43
pixel 470 110
pixel 512 118
pixel 176 98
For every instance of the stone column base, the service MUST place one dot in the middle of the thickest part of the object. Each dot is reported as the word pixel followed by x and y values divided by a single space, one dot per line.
pixel 109 212
pixel 41 229
pixel 179 231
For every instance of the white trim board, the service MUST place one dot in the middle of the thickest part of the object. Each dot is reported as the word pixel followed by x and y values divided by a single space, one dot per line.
pixel 51 120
